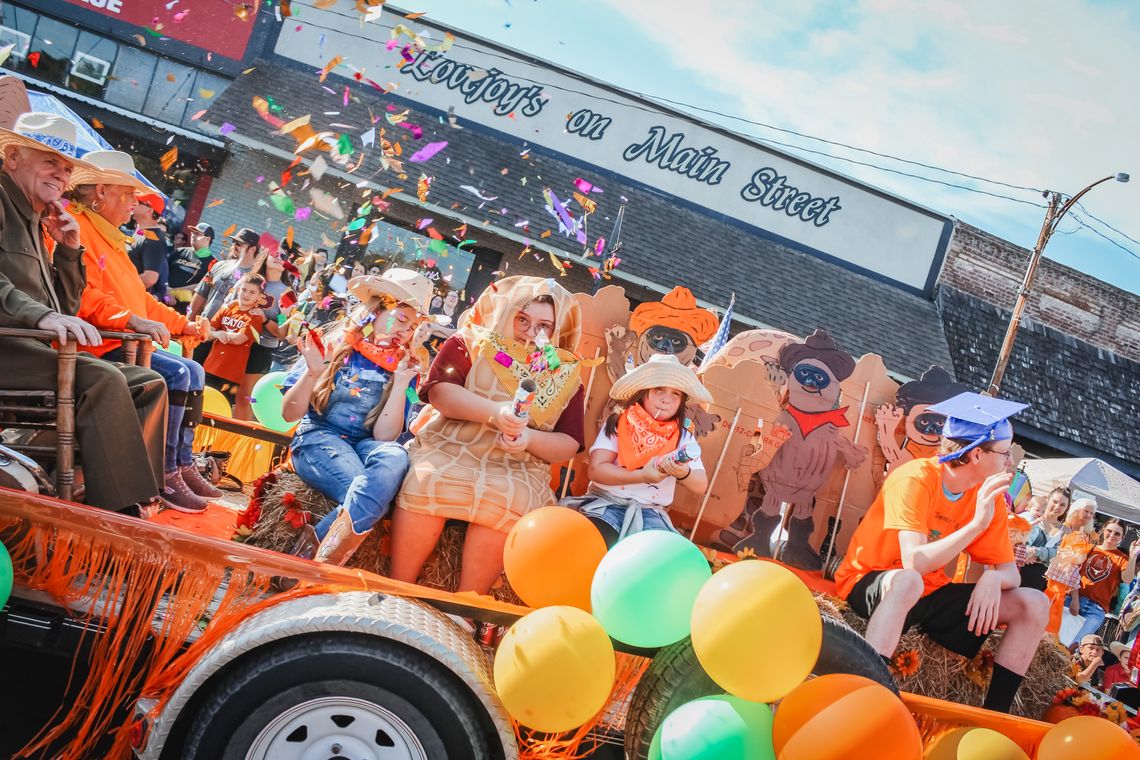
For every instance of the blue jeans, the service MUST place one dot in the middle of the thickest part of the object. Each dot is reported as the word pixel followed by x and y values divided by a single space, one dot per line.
pixel 362 478
pixel 183 377
pixel 1093 614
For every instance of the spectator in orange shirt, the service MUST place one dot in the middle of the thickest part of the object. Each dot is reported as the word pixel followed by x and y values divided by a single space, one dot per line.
pixel 234 329
pixel 928 512
pixel 105 193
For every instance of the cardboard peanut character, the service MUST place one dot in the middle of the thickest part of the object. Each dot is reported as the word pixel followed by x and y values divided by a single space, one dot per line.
pixel 798 454
pixel 675 326
pixel 922 429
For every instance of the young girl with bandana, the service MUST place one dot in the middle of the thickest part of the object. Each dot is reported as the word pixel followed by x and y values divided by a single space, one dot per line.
pixel 473 459
pixel 351 401
pixel 632 476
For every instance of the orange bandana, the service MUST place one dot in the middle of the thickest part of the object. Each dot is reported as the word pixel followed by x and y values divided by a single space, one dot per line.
pixel 385 357
pixel 640 437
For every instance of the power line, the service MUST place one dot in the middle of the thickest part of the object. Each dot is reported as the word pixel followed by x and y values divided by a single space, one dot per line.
pixel 1089 214
pixel 1101 235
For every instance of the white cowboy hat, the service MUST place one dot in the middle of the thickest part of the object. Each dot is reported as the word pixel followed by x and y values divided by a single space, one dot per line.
pixel 43 131
pixel 114 167
pixel 407 287
pixel 1121 650
pixel 661 371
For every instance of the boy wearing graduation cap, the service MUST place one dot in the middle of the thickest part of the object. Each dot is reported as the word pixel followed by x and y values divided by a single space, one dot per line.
pixel 928 512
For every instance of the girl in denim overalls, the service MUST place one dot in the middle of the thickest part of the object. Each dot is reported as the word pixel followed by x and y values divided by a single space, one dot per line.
pixel 353 402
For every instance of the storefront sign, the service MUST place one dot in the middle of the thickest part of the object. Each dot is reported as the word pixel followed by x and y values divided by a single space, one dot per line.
pixel 215 26
pixel 818 210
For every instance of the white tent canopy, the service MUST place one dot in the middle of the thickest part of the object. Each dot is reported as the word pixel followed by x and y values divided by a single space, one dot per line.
pixel 1115 493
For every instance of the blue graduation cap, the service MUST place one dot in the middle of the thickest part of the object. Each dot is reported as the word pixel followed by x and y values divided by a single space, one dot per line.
pixel 976 418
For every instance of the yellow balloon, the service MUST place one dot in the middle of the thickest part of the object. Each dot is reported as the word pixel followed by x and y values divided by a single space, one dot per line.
pixel 756 630
pixel 554 669
pixel 987 744
pixel 945 747
pixel 214 402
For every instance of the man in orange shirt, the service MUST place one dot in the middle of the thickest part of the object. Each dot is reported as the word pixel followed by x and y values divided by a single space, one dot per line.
pixel 928 512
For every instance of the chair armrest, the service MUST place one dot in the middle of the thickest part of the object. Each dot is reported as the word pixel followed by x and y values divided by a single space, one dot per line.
pixel 21 332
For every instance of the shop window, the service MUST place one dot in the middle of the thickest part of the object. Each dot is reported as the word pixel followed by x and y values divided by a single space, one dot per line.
pixel 16 28
pixel 92 64
pixel 130 82
pixel 447 266
pixel 51 51
pixel 171 88
pixel 207 89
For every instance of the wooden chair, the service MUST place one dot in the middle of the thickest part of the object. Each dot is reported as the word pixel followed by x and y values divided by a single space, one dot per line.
pixel 54 410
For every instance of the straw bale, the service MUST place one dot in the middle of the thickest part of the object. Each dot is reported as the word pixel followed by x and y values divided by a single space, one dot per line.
pixel 945 675
pixel 440 571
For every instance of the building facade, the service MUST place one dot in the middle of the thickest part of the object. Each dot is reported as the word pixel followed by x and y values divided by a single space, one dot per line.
pixel 477 161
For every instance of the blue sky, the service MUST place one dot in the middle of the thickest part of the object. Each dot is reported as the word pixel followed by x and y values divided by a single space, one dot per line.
pixel 1040 95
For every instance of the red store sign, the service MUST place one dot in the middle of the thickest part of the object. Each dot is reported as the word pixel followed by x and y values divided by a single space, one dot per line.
pixel 218 26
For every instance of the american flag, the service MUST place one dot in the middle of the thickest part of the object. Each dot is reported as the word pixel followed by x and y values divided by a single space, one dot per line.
pixel 721 337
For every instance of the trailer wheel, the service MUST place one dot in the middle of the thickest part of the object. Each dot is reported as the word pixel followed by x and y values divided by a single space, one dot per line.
pixel 342 697
pixel 675 677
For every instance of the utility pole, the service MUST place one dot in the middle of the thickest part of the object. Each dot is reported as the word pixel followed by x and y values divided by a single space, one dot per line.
pixel 1053 215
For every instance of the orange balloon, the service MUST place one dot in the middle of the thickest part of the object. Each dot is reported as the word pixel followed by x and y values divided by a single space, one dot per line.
pixel 1089 738
pixel 550 557
pixel 844 717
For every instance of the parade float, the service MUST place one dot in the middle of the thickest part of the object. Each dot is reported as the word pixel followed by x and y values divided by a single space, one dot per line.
pixel 729 645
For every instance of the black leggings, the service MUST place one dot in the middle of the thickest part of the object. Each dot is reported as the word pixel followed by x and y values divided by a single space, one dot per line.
pixel 609 535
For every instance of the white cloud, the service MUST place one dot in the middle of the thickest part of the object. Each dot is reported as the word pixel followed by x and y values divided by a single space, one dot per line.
pixel 1035 94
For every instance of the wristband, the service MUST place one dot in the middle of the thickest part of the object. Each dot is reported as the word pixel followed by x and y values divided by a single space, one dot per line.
pixel 687 474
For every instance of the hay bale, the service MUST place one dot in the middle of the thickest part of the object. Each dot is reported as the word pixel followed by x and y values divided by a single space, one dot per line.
pixel 944 675
pixel 441 571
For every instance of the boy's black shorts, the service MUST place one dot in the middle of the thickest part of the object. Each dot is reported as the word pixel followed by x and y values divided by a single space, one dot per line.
pixel 941 614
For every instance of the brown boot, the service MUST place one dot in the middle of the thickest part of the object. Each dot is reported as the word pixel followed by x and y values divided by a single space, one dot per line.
pixel 341 540
pixel 179 496
pixel 198 484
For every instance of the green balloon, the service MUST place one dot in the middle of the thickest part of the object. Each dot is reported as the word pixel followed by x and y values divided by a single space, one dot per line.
pixel 5 576
pixel 722 727
pixel 644 588
pixel 267 398
pixel 655 746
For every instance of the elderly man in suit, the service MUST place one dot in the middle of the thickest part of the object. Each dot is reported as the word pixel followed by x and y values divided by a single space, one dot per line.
pixel 120 409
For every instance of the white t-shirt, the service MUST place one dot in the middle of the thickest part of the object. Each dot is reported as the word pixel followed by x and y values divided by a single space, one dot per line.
pixel 659 494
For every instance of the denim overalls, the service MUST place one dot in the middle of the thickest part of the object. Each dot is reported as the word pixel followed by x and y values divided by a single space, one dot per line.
pixel 335 454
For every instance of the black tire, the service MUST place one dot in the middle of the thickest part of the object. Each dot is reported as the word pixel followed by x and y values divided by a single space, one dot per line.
pixel 445 718
pixel 675 677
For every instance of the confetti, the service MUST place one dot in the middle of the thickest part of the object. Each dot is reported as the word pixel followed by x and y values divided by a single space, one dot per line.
pixel 218 202
pixel 198 115
pixel 504 359
pixel 226 128
pixel 583 185
pixel 6 51
pixel 229 230
pixel 478 193
pixel 96 123
pixel 332 64
pixel 168 159
pixel 207 94
pixel 427 152
pixel 411 395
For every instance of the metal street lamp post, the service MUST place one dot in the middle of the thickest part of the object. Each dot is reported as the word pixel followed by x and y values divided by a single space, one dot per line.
pixel 1053 215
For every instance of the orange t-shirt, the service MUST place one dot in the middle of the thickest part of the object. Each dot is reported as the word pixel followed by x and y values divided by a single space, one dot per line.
pixel 228 360
pixel 1101 575
pixel 912 498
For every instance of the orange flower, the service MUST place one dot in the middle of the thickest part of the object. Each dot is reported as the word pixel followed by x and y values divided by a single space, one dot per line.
pixel 907 663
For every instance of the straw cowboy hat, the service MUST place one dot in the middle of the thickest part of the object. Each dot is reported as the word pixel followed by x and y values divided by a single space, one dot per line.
pixel 114 167
pixel 1121 650
pixel 43 131
pixel 661 371
pixel 407 287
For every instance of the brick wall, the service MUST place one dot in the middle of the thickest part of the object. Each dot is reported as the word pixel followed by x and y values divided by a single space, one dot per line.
pixel 1076 304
